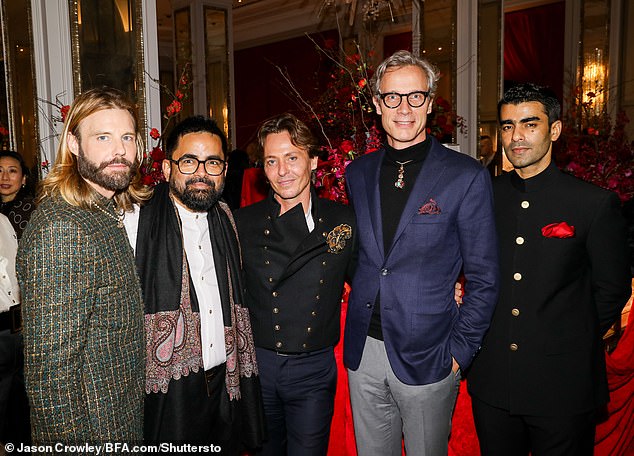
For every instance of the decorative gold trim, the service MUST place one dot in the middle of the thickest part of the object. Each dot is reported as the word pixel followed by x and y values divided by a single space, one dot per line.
pixel 7 54
pixel 74 45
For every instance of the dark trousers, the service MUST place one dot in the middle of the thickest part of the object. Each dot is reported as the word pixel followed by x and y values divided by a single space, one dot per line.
pixel 14 405
pixel 194 411
pixel 503 434
pixel 299 395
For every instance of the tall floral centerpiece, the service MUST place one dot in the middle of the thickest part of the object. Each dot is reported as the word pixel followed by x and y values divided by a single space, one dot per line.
pixel 595 148
pixel 151 168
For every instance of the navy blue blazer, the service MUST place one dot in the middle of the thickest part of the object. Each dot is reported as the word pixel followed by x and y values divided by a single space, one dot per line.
pixel 447 227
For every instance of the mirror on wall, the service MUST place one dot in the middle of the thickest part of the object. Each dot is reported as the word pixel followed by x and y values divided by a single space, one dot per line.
pixel 438 45
pixel 106 39
pixel 217 67
pixel 18 113
pixel 490 17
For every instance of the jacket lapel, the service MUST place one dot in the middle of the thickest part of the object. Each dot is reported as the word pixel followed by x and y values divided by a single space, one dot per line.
pixel 429 175
pixel 374 197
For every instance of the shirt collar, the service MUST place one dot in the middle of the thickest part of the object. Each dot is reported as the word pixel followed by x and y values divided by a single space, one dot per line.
pixel 535 183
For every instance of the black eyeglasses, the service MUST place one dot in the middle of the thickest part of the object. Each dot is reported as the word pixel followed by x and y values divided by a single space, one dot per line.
pixel 189 165
pixel 393 100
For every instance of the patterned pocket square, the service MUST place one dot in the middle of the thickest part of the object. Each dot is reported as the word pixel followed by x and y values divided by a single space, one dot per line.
pixel 559 230
pixel 429 208
pixel 336 239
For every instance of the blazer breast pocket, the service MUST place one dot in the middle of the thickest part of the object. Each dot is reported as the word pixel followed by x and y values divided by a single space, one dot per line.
pixel 428 229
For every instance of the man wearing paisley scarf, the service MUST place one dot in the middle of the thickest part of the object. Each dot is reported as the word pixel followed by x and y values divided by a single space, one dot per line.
pixel 298 250
pixel 202 382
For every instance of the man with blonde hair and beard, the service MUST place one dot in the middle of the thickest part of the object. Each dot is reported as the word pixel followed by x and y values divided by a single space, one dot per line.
pixel 81 300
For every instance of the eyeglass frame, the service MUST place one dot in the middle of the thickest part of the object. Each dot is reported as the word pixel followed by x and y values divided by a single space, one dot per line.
pixel 188 157
pixel 406 95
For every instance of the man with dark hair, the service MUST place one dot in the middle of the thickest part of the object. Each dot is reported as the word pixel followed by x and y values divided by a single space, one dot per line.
pixel 540 374
pixel 298 250
pixel 201 376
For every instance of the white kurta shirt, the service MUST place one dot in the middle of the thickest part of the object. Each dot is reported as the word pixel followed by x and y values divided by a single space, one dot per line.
pixel 202 271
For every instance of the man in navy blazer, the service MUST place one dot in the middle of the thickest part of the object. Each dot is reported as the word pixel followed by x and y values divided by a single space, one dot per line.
pixel 425 215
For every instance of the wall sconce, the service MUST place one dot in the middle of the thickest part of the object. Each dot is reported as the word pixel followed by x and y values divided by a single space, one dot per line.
pixel 593 81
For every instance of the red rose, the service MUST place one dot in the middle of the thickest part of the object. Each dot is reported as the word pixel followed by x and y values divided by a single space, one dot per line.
pixel 157 154
pixel 174 108
pixel 64 112
pixel 346 146
pixel 154 133
pixel 179 95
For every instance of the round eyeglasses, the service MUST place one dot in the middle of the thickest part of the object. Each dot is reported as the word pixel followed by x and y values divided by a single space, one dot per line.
pixel 393 100
pixel 189 165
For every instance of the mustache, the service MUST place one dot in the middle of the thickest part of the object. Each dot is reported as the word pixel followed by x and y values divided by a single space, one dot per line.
pixel 195 180
pixel 116 161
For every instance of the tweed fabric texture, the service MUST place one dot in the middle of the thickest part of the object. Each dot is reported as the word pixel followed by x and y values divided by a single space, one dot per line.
pixel 83 326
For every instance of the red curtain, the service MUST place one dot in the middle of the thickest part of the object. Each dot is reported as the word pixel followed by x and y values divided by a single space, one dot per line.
pixel 534 46
pixel 262 92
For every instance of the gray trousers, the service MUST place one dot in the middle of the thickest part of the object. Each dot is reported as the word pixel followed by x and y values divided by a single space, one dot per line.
pixel 385 410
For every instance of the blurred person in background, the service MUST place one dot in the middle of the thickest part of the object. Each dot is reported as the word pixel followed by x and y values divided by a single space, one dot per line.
pixel 14 409
pixel 16 202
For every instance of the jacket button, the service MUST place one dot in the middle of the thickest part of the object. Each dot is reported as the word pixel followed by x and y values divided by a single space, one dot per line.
pixel 317 297
pixel 515 312
pixel 278 344
pixel 368 305
pixel 384 272
pixel 324 234
pixel 309 330
pixel 323 263
pixel 321 220
pixel 525 204
pixel 517 276
pixel 313 313
pixel 266 232
pixel 321 281
pixel 304 345
pixel 276 310
pixel 513 347
pixel 267 262
pixel 275 294
pixel 270 279
pixel 277 327
pixel 519 240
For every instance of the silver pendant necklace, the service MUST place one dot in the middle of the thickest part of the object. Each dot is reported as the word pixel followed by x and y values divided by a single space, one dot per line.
pixel 400 181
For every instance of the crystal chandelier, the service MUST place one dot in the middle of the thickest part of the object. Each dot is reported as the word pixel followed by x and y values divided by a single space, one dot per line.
pixel 371 10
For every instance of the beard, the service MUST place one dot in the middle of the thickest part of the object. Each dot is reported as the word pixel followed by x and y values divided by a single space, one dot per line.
pixel 197 200
pixel 95 173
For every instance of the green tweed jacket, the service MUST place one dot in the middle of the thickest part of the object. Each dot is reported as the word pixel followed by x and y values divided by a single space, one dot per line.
pixel 83 332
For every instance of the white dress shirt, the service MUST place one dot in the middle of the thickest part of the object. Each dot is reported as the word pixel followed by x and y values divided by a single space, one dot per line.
pixel 9 291
pixel 202 272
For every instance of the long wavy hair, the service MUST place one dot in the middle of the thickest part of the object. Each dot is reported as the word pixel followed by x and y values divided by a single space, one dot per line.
pixel 64 179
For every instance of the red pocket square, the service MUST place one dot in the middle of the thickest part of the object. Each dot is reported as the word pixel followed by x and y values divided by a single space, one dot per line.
pixel 430 207
pixel 558 230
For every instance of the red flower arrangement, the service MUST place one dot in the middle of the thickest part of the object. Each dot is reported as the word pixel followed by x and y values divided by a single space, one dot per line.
pixel 345 115
pixel 151 168
pixel 596 149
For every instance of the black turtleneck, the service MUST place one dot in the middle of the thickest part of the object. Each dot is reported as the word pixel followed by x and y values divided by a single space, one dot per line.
pixel 393 201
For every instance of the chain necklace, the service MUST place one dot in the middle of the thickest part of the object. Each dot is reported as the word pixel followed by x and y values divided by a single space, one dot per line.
pixel 400 182
pixel 114 216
